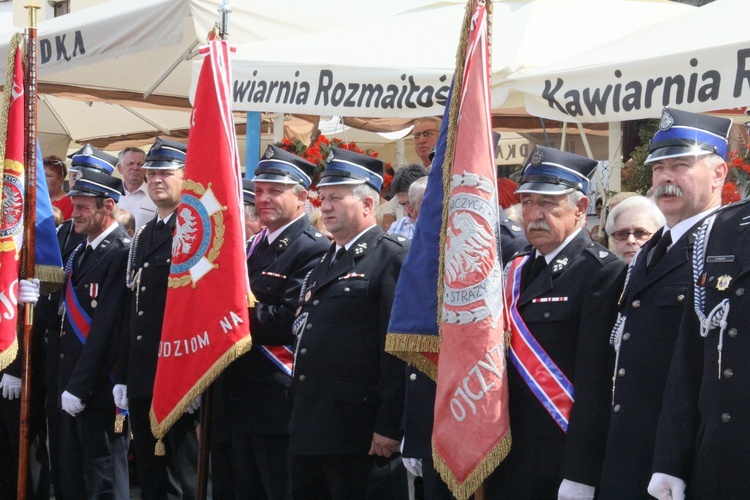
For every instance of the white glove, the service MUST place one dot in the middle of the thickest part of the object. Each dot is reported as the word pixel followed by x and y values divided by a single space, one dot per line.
pixel 570 490
pixel 120 393
pixel 666 487
pixel 194 406
pixel 28 291
pixel 11 387
pixel 413 465
pixel 72 404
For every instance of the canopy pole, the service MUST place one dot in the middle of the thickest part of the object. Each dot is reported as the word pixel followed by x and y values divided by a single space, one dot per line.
pixel 188 54
pixel 564 135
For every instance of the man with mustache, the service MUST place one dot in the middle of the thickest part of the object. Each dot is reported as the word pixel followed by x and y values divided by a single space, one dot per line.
pixel 562 294
pixel 688 174
pixel 701 446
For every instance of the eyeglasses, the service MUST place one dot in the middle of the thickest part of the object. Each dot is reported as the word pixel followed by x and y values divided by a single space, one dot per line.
pixel 426 133
pixel 624 234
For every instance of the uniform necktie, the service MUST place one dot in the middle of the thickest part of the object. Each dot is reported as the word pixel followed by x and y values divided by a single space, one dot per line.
pixel 160 225
pixel 660 250
pixel 339 253
pixel 85 255
pixel 263 244
pixel 536 269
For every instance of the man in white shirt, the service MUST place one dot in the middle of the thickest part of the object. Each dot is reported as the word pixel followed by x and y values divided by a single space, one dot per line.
pixel 136 199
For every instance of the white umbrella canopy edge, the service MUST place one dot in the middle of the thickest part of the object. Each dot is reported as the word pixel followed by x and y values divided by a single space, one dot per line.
pixel 406 73
pixel 678 62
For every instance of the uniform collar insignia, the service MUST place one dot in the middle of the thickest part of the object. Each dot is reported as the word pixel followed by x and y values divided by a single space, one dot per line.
pixel 283 242
pixel 559 265
pixel 360 248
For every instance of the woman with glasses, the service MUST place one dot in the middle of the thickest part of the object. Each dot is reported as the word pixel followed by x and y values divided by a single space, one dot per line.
pixel 631 223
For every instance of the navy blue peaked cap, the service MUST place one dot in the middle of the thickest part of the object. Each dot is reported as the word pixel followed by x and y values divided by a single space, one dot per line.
pixel 93 183
pixel 282 167
pixel 348 167
pixel 93 158
pixel 166 155
pixel 551 171
pixel 682 133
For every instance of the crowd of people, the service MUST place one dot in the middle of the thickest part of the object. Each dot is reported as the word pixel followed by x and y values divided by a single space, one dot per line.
pixel 635 390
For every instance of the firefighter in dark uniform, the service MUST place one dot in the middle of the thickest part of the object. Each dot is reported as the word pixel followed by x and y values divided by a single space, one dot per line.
pixel 93 460
pixel 565 290
pixel 46 314
pixel 258 382
pixel 686 154
pixel 172 475
pixel 702 434
pixel 348 392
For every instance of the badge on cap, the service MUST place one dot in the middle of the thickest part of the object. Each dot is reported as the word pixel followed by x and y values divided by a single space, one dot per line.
pixel 330 157
pixel 723 282
pixel 537 157
pixel 87 151
pixel 666 120
pixel 269 153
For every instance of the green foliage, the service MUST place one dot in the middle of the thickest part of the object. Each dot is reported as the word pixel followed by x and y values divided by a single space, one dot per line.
pixel 640 179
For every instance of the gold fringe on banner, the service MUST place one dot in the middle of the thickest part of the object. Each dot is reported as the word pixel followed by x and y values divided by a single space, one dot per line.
pixel 463 491
pixel 51 278
pixel 8 355
pixel 409 348
pixel 159 429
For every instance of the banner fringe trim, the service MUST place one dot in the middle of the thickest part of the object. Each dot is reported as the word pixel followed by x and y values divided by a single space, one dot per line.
pixel 409 347
pixel 9 355
pixel 476 477
pixel 160 429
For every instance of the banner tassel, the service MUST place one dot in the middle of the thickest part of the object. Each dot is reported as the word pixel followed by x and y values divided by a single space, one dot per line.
pixel 119 423
pixel 159 449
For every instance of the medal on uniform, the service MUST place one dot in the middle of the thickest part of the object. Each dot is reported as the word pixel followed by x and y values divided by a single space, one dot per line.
pixel 723 282
pixel 94 293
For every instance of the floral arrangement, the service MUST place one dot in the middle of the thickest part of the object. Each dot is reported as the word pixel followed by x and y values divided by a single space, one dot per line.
pixel 317 152
pixel 738 176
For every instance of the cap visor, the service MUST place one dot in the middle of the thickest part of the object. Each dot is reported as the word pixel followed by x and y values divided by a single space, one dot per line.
pixel 543 188
pixel 333 180
pixel 675 152
pixel 275 179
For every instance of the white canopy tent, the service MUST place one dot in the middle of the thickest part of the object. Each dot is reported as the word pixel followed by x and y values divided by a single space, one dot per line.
pixel 401 66
pixel 696 61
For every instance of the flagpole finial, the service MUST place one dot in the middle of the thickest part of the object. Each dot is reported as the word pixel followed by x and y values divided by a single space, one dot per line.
pixel 224 10
pixel 32 8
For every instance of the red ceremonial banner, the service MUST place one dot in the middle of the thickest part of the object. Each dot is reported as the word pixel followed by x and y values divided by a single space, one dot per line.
pixel 206 323
pixel 11 223
pixel 471 435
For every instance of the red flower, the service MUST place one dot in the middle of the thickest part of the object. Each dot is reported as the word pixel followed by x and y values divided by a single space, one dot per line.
pixel 729 193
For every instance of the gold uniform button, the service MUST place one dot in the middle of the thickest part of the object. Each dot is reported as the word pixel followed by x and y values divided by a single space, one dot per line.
pixel 616 409
pixel 732 332
pixel 728 373
pixel 621 372
pixel 413 377
pixel 636 304
pixel 726 417
pixel 626 336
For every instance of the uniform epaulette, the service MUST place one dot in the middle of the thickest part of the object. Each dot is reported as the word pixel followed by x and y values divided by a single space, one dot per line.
pixel 397 239
pixel 601 253
pixel 312 233
pixel 514 228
